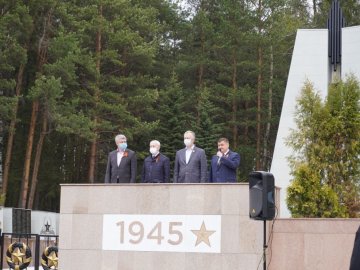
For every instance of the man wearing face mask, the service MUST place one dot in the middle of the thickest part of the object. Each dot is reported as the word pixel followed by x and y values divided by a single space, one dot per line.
pixel 121 165
pixel 190 163
pixel 224 163
pixel 156 167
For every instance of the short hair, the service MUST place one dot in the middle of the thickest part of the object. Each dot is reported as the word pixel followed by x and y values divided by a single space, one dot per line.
pixel 120 137
pixel 156 142
pixel 191 132
pixel 223 140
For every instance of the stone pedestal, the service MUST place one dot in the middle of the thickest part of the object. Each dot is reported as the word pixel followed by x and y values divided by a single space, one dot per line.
pixel 83 226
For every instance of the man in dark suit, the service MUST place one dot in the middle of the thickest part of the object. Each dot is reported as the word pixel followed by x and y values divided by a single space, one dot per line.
pixel 355 258
pixel 190 163
pixel 156 168
pixel 121 165
pixel 224 163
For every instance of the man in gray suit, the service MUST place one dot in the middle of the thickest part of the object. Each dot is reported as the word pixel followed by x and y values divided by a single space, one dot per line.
pixel 190 163
pixel 121 165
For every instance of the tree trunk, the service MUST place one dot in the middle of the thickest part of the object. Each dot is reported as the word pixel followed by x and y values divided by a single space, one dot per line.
pixel 258 113
pixel 29 146
pixel 268 124
pixel 246 128
pixel 315 7
pixel 10 141
pixel 93 148
pixel 201 78
pixel 78 152
pixel 202 40
pixel 41 60
pixel 34 178
pixel 259 92
pixel 92 162
pixel 201 67
pixel 234 102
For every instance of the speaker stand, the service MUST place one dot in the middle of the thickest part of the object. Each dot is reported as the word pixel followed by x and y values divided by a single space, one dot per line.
pixel 264 245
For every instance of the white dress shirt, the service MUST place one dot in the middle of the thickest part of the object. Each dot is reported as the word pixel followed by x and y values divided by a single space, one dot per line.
pixel 188 153
pixel 119 156
pixel 224 155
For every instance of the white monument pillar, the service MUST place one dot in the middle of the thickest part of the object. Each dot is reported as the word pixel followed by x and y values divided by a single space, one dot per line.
pixel 310 61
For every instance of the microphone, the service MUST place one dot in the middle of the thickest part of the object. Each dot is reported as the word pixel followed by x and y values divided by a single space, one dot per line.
pixel 219 156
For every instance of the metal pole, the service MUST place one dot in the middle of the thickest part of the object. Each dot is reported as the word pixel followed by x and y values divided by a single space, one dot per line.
pixel 2 249
pixel 264 246
pixel 37 252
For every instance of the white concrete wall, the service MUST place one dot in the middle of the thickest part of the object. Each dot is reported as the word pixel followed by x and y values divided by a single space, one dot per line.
pixel 296 244
pixel 82 212
pixel 7 216
pixel 351 51
pixel 312 244
pixel 1 218
pixel 38 219
pixel 309 62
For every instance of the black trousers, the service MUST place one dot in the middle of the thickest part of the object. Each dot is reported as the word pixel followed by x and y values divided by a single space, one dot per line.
pixel 355 258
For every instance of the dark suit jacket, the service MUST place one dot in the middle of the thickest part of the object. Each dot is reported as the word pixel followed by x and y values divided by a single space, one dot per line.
pixel 194 171
pixel 355 258
pixel 225 171
pixel 156 170
pixel 125 172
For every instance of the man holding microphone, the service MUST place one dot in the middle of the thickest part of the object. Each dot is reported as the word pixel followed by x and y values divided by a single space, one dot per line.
pixel 224 163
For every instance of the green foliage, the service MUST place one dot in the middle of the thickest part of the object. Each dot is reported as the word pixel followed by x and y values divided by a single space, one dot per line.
pixel 162 68
pixel 6 107
pixel 308 197
pixel 327 152
pixel 350 9
pixel 47 90
pixel 174 120
pixel 208 129
pixel 2 199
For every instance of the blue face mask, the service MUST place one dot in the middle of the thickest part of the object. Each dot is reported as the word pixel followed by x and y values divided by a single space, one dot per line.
pixel 122 146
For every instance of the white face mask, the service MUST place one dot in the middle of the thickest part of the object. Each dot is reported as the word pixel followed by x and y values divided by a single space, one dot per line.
pixel 122 146
pixel 187 142
pixel 154 151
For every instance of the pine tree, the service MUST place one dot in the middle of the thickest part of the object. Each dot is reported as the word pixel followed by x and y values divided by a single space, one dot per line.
pixel 115 64
pixel 15 28
pixel 209 129
pixel 173 118
pixel 119 51
pixel 350 10
pixel 327 152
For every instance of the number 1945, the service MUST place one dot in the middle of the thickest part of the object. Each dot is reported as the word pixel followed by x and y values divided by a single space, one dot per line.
pixel 136 232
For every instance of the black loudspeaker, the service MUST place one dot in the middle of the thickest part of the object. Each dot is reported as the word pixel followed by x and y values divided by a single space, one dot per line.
pixel 261 195
pixel 21 221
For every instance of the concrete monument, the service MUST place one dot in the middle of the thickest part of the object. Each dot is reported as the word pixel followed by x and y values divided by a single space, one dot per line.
pixel 320 56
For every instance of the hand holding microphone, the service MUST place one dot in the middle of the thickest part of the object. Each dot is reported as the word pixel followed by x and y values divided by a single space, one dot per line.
pixel 219 154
